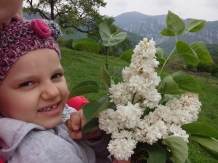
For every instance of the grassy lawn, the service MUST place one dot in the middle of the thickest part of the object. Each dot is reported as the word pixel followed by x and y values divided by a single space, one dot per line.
pixel 83 66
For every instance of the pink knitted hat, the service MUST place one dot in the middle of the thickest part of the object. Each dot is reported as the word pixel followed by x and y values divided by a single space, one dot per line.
pixel 23 36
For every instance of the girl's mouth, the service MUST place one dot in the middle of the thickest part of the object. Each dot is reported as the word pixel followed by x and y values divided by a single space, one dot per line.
pixel 49 108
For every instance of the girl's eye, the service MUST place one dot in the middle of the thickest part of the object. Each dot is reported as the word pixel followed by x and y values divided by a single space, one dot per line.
pixel 26 84
pixel 58 75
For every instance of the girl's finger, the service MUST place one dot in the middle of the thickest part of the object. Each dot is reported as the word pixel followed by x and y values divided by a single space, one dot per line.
pixel 75 121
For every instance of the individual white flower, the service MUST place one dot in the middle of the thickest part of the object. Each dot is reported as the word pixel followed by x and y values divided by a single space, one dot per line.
pixel 185 109
pixel 121 149
pixel 136 62
pixel 127 73
pixel 157 130
pixel 152 98
pixel 122 134
pixel 135 83
pixel 107 121
pixel 175 130
pixel 128 116
pixel 120 94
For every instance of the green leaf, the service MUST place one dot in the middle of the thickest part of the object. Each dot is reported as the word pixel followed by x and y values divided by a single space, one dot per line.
pixel 92 125
pixel 178 148
pixel 195 25
pixel 169 86
pixel 116 39
pixel 104 31
pixel 210 145
pixel 175 25
pixel 88 46
pixel 84 88
pixel 127 55
pixel 201 50
pixel 156 153
pixel 105 76
pixel 167 32
pixel 186 53
pixel 186 82
pixel 91 109
pixel 200 129
pixel 108 38
pixel 160 55
pixel 187 161
pixel 82 40
pixel 117 31
pixel 117 72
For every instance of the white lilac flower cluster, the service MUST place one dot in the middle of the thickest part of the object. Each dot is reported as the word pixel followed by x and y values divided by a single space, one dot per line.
pixel 136 93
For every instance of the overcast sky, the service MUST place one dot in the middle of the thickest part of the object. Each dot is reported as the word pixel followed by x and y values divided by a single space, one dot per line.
pixel 196 9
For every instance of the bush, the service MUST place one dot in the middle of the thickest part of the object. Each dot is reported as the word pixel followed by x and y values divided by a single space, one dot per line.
pixel 201 67
pixel 175 64
pixel 190 67
pixel 65 43
pixel 69 43
pixel 214 70
pixel 209 68
pixel 61 42
pixel 215 59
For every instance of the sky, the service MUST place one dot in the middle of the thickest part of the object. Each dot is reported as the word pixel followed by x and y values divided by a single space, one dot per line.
pixel 196 9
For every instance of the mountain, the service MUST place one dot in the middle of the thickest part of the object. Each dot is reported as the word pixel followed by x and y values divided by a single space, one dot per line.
pixel 151 26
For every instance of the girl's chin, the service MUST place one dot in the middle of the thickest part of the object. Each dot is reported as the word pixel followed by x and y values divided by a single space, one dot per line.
pixel 51 124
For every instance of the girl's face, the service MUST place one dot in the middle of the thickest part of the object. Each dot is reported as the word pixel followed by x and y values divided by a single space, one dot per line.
pixel 34 90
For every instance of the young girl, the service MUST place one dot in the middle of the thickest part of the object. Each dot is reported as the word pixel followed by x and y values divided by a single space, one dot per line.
pixel 33 94
pixel 12 10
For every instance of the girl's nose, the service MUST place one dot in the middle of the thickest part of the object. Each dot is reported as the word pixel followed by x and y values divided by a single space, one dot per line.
pixel 49 91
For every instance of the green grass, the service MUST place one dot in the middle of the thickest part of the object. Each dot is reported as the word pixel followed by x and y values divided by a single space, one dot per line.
pixel 83 66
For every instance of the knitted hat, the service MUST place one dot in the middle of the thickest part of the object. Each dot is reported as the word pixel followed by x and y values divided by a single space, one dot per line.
pixel 23 36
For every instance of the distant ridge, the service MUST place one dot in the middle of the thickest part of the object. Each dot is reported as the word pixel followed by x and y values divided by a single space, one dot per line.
pixel 151 26
pixel 126 19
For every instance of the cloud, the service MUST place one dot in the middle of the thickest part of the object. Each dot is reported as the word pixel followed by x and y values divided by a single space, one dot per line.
pixel 197 9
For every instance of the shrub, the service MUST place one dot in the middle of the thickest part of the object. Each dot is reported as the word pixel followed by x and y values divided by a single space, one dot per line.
pixel 209 68
pixel 175 64
pixel 65 43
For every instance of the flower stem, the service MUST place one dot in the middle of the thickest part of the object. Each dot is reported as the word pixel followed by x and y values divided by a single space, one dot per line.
pixel 106 58
pixel 133 98
pixel 168 58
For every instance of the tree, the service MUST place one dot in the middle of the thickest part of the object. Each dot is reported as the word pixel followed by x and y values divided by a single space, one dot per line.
pixel 81 15
pixel 115 50
pixel 109 21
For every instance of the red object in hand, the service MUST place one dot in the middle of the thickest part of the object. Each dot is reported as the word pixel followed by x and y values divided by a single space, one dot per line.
pixel 1 161
pixel 77 102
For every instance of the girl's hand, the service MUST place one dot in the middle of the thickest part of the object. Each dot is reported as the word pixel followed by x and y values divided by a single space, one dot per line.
pixel 75 125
